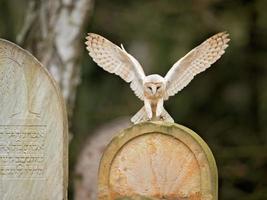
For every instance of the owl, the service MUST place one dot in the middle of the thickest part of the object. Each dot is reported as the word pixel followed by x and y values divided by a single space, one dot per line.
pixel 155 89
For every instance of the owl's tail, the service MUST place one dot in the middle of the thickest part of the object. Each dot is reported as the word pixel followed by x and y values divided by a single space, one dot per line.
pixel 141 116
pixel 166 116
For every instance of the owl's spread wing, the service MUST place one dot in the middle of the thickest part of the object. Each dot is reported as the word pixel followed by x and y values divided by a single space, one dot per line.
pixel 194 62
pixel 116 60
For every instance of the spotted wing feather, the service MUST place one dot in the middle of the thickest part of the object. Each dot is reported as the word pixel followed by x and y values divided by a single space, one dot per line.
pixel 115 60
pixel 195 62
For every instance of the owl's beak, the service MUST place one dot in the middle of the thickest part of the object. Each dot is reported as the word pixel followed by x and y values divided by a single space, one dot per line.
pixel 154 90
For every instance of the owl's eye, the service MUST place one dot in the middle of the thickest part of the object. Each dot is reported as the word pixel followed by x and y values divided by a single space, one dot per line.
pixel 158 87
pixel 150 88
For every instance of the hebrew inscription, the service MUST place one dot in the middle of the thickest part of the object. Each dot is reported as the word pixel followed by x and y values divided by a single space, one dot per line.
pixel 33 129
pixel 22 151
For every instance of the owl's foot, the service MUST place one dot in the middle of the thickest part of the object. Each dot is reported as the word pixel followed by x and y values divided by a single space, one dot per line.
pixel 165 116
pixel 162 118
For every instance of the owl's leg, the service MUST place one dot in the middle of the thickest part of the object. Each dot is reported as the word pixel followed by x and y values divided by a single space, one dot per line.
pixel 148 109
pixel 159 108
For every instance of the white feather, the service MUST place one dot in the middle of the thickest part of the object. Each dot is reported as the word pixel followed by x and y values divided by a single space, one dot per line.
pixel 195 62
pixel 116 60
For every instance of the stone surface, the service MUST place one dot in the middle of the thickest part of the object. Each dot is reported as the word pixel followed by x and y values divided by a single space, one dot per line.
pixel 157 160
pixel 33 129
pixel 89 159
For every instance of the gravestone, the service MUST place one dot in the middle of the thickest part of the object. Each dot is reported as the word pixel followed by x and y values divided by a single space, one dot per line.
pixel 157 160
pixel 33 129
pixel 85 183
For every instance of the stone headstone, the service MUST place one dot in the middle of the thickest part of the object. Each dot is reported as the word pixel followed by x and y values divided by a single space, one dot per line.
pixel 85 181
pixel 33 129
pixel 157 160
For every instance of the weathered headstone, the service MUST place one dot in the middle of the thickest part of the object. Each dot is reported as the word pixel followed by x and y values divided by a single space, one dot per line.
pixel 33 129
pixel 157 160
pixel 85 186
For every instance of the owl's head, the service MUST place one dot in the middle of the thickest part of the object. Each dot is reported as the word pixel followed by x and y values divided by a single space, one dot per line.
pixel 154 86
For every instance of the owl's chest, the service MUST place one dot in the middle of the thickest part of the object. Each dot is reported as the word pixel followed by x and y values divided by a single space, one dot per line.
pixel 154 105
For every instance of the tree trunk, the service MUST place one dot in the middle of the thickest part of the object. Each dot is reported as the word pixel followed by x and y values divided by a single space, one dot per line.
pixel 53 33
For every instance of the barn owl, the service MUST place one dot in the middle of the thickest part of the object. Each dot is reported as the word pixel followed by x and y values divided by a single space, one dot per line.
pixel 155 89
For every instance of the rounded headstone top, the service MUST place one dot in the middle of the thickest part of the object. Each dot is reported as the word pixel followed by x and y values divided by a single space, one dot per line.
pixel 33 129
pixel 157 160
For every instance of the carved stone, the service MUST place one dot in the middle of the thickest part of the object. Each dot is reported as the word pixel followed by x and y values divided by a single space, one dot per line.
pixel 157 160
pixel 85 185
pixel 33 129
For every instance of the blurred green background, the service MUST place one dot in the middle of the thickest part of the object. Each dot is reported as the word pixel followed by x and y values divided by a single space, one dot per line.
pixel 226 105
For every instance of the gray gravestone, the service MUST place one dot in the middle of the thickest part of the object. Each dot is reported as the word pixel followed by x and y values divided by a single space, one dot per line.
pixel 33 129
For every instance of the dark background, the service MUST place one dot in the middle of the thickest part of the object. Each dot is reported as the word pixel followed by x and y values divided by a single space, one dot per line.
pixel 226 105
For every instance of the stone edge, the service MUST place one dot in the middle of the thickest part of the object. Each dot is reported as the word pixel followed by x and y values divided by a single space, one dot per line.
pixel 63 110
pixel 147 127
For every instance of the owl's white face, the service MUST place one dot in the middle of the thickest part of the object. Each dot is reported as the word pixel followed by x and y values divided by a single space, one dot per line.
pixel 154 86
